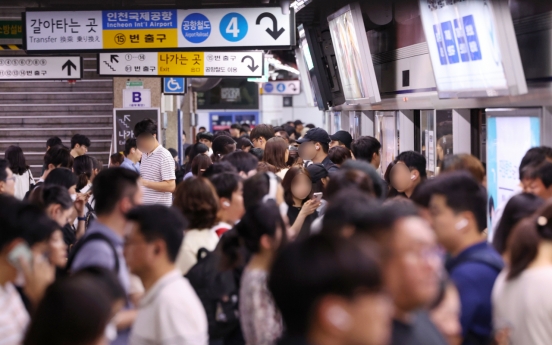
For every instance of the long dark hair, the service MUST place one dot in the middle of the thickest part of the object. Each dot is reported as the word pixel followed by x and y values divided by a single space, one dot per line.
pixel 46 195
pixel 83 168
pixel 197 199
pixel 261 219
pixel 526 237
pixel 14 155
pixel 288 181
pixel 196 149
pixel 518 207
pixel 200 164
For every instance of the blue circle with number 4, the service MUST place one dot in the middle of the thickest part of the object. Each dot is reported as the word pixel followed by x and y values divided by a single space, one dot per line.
pixel 196 28
pixel 233 27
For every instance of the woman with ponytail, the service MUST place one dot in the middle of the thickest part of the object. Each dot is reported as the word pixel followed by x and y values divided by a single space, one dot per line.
pixel 262 232
pixel 84 169
pixel 522 302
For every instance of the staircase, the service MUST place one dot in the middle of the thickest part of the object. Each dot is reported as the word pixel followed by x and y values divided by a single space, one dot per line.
pixel 33 111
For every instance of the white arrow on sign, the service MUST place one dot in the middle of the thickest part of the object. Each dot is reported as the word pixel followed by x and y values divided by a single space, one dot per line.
pixel 126 118
pixel 40 67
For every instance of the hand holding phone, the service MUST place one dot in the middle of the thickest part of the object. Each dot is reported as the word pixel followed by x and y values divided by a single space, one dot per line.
pixel 21 252
pixel 317 196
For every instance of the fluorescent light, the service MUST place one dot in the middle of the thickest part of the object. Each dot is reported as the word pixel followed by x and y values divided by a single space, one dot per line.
pixel 298 5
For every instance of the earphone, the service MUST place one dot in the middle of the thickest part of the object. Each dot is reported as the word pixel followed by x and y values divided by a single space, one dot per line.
pixel 461 224
pixel 339 318
pixel 272 188
pixel 226 204
pixel 412 177
pixel 317 147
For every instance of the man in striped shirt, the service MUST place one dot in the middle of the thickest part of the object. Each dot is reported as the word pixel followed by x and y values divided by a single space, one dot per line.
pixel 157 167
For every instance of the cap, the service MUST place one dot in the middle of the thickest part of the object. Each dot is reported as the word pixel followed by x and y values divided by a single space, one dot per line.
pixel 316 134
pixel 317 172
pixel 298 122
pixel 344 137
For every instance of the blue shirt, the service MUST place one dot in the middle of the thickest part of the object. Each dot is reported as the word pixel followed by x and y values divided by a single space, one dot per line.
pixel 98 253
pixel 474 272
pixel 128 164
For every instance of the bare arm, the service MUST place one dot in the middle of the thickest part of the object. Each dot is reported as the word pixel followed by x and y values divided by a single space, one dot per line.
pixel 308 208
pixel 163 186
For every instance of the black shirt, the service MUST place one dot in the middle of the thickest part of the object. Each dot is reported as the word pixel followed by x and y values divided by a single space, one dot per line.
pixel 329 165
pixel 292 214
pixel 420 332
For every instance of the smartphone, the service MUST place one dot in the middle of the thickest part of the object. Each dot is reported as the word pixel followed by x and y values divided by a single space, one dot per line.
pixel 317 196
pixel 21 250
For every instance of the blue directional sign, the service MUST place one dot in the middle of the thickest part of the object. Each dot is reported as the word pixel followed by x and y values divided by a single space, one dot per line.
pixel 281 87
pixel 174 86
pixel 284 87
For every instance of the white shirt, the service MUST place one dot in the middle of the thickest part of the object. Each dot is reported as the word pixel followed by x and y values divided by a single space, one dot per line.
pixel 22 184
pixel 170 313
pixel 13 316
pixel 523 306
pixel 193 241
pixel 157 166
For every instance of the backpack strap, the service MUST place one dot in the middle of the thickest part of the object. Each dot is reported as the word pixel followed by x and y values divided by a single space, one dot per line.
pixel 89 238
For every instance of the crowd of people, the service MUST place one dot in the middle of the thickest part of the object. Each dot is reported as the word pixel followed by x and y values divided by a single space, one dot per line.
pixel 270 235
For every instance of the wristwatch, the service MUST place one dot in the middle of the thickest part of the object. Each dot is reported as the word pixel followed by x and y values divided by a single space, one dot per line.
pixel 81 219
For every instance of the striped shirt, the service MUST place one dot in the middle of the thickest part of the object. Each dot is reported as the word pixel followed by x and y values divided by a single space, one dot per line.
pixel 14 318
pixel 157 166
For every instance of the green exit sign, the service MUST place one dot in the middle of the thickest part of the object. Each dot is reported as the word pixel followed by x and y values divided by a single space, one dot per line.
pixel 11 29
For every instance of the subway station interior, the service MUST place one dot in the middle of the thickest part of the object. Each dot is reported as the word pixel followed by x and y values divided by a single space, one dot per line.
pixel 398 70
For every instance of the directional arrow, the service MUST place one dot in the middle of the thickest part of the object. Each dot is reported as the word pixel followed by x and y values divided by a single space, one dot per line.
pixel 126 118
pixel 114 58
pixel 68 65
pixel 251 67
pixel 275 33
pixel 292 86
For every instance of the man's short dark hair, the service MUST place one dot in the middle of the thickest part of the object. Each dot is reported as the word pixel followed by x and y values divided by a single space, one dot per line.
pixel 243 161
pixel 59 156
pixel 364 148
pixel 265 131
pixel 532 158
pixel 53 141
pixel 129 145
pixel 544 173
pixel 307 271
pixel 226 184
pixel 111 186
pixel 219 168
pixel 80 139
pixel 202 128
pixel 413 160
pixel 235 126
pixel 463 193
pixel 160 222
pixel 145 126
pixel 205 135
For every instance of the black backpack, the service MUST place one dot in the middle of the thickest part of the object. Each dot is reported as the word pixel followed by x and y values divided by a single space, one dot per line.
pixel 218 291
pixel 89 238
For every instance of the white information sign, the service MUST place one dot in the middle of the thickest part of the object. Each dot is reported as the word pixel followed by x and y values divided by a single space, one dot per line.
pixel 136 98
pixel 473 48
pixel 182 64
pixel 289 87
pixel 259 27
pixel 40 67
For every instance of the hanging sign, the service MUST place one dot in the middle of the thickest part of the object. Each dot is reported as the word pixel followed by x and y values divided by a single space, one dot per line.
pixel 40 67
pixel 182 64
pixel 290 87
pixel 260 27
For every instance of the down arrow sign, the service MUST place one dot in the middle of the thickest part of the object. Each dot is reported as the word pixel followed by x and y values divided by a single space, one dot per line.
pixel 251 67
pixel 69 64
pixel 275 33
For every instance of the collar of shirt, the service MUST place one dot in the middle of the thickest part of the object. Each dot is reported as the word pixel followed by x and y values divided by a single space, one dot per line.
pixel 326 162
pixel 453 261
pixel 159 285
pixel 129 162
pixel 96 226
pixel 154 151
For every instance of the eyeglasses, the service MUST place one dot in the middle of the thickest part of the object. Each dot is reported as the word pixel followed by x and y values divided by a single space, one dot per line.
pixel 10 179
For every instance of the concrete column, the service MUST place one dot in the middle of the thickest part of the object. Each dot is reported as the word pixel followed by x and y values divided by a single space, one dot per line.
pixel 154 84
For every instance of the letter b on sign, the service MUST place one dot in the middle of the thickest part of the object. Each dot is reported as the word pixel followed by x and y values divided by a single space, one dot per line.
pixel 136 97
